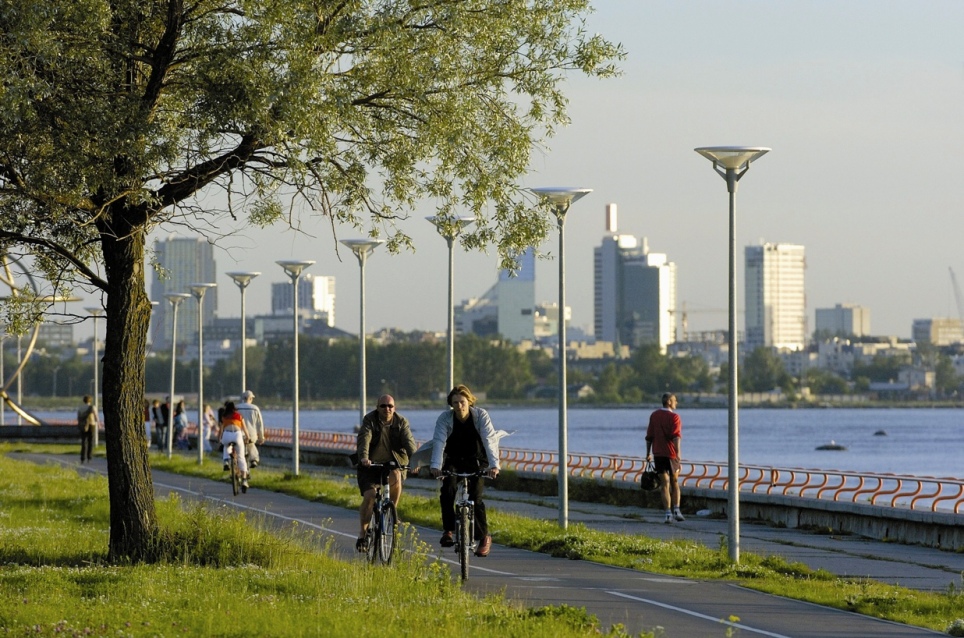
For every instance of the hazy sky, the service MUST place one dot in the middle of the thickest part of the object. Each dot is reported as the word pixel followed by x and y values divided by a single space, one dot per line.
pixel 861 103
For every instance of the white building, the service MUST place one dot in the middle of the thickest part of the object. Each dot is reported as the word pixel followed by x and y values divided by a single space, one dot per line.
pixel 776 301
pixel 843 320
pixel 507 309
pixel 316 297
pixel 939 331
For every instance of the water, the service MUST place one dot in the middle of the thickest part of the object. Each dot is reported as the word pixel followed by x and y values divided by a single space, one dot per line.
pixel 921 442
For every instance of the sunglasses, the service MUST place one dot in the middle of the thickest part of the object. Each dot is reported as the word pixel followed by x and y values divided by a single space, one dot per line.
pixel 386 405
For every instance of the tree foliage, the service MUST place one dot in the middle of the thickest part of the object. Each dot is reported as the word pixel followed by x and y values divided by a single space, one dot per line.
pixel 117 117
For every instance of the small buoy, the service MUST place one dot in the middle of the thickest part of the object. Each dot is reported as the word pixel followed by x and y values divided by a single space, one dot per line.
pixel 833 445
pixel 880 433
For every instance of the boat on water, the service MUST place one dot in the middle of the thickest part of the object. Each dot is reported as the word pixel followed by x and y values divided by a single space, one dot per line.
pixel 833 446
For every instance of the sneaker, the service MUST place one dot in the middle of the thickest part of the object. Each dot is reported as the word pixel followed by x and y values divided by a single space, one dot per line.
pixel 485 546
pixel 669 517
pixel 253 464
pixel 361 545
pixel 244 486
pixel 447 540
pixel 678 515
pixel 226 466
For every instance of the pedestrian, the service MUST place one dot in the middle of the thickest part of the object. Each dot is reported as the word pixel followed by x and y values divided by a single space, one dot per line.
pixel 147 421
pixel 253 425
pixel 180 426
pixel 663 438
pixel 465 441
pixel 209 429
pixel 159 425
pixel 385 436
pixel 87 425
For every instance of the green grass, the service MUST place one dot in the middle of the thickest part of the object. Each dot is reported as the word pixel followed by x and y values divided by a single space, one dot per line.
pixel 225 575
pixel 681 558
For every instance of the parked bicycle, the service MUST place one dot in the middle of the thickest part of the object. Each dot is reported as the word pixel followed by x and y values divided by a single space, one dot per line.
pixel 465 543
pixel 238 483
pixel 380 538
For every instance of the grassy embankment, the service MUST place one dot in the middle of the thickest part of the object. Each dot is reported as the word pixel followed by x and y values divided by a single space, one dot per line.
pixel 60 546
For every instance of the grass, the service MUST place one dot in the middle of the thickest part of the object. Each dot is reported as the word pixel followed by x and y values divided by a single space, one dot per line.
pixel 772 574
pixel 226 575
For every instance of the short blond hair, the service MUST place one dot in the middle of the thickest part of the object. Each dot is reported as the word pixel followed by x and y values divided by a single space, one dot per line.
pixel 463 391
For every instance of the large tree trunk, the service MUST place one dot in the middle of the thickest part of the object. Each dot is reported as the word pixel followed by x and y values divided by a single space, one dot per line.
pixel 133 518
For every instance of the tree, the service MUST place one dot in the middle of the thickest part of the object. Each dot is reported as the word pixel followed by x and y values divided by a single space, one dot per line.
pixel 762 371
pixel 117 117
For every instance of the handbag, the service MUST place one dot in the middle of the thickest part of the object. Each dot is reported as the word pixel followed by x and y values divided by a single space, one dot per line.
pixel 649 480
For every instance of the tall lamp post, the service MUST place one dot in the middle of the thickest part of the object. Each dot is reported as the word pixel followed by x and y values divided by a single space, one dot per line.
pixel 243 279
pixel 731 163
pixel 362 249
pixel 559 200
pixel 175 298
pixel 450 228
pixel 294 269
pixel 198 290
pixel 96 312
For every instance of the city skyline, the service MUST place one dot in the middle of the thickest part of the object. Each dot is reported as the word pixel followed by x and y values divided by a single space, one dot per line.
pixel 859 105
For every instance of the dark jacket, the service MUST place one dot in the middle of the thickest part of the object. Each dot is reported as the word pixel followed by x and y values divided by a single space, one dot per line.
pixel 401 441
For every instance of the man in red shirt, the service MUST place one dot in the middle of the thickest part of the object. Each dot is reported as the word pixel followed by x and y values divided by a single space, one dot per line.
pixel 662 441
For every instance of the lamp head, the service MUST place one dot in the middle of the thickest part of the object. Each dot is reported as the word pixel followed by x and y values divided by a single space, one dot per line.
pixel 450 227
pixel 242 278
pixel 176 297
pixel 198 290
pixel 294 267
pixel 732 158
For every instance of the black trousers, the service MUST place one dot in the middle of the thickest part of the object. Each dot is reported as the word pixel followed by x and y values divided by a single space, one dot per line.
pixel 86 445
pixel 447 501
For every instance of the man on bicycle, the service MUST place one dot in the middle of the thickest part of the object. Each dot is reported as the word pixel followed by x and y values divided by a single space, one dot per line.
pixel 384 436
pixel 465 441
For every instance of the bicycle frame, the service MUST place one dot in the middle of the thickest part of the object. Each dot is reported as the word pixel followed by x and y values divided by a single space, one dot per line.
pixel 381 528
pixel 465 542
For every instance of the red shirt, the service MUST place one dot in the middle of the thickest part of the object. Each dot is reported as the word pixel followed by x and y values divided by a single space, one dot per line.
pixel 664 426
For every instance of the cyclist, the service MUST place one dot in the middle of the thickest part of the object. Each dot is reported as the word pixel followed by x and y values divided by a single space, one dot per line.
pixel 232 431
pixel 465 441
pixel 384 436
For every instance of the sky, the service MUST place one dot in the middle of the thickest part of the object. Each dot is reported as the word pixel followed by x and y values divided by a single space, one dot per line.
pixel 860 102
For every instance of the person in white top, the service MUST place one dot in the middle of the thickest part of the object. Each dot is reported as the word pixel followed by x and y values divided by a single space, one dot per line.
pixel 253 425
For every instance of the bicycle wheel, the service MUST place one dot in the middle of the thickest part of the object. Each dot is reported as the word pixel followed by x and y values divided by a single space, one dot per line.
pixel 464 540
pixel 235 474
pixel 374 537
pixel 386 543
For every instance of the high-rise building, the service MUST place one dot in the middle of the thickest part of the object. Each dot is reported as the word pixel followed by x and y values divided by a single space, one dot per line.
pixel 183 261
pixel 316 297
pixel 843 320
pixel 938 331
pixel 776 301
pixel 634 290
pixel 507 308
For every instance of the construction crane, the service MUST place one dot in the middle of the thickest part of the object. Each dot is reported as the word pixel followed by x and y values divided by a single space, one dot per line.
pixel 957 296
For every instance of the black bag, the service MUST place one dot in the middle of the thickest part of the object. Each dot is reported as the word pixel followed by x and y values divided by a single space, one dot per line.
pixel 649 480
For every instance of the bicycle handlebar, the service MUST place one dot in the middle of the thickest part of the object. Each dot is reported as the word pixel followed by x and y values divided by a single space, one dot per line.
pixel 391 464
pixel 479 473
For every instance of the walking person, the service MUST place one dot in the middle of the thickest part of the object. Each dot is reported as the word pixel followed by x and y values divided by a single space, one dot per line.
pixel 87 425
pixel 180 426
pixel 253 425
pixel 160 429
pixel 465 441
pixel 210 427
pixel 385 436
pixel 663 438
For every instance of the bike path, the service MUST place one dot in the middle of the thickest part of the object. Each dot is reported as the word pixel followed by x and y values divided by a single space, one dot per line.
pixel 640 601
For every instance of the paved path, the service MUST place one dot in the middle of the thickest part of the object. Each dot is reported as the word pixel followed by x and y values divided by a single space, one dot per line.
pixel 640 601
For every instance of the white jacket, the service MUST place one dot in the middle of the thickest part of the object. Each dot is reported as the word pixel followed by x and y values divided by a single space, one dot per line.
pixel 253 423
pixel 443 428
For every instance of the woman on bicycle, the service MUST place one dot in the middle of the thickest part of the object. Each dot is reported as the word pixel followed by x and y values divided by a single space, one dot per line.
pixel 232 431
pixel 384 436
pixel 465 441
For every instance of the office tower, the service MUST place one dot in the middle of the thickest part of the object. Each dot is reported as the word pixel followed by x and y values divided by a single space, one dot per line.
pixel 843 320
pixel 184 261
pixel 634 290
pixel 776 301
pixel 938 331
pixel 316 297
pixel 507 308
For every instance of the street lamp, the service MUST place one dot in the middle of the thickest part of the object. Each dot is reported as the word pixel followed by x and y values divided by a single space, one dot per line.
pixel 198 291
pixel 559 200
pixel 362 249
pixel 175 298
pixel 294 269
pixel 450 228
pixel 95 312
pixel 732 162
pixel 243 279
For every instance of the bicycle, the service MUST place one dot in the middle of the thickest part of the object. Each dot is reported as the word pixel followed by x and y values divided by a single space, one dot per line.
pixel 380 538
pixel 464 518
pixel 237 481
